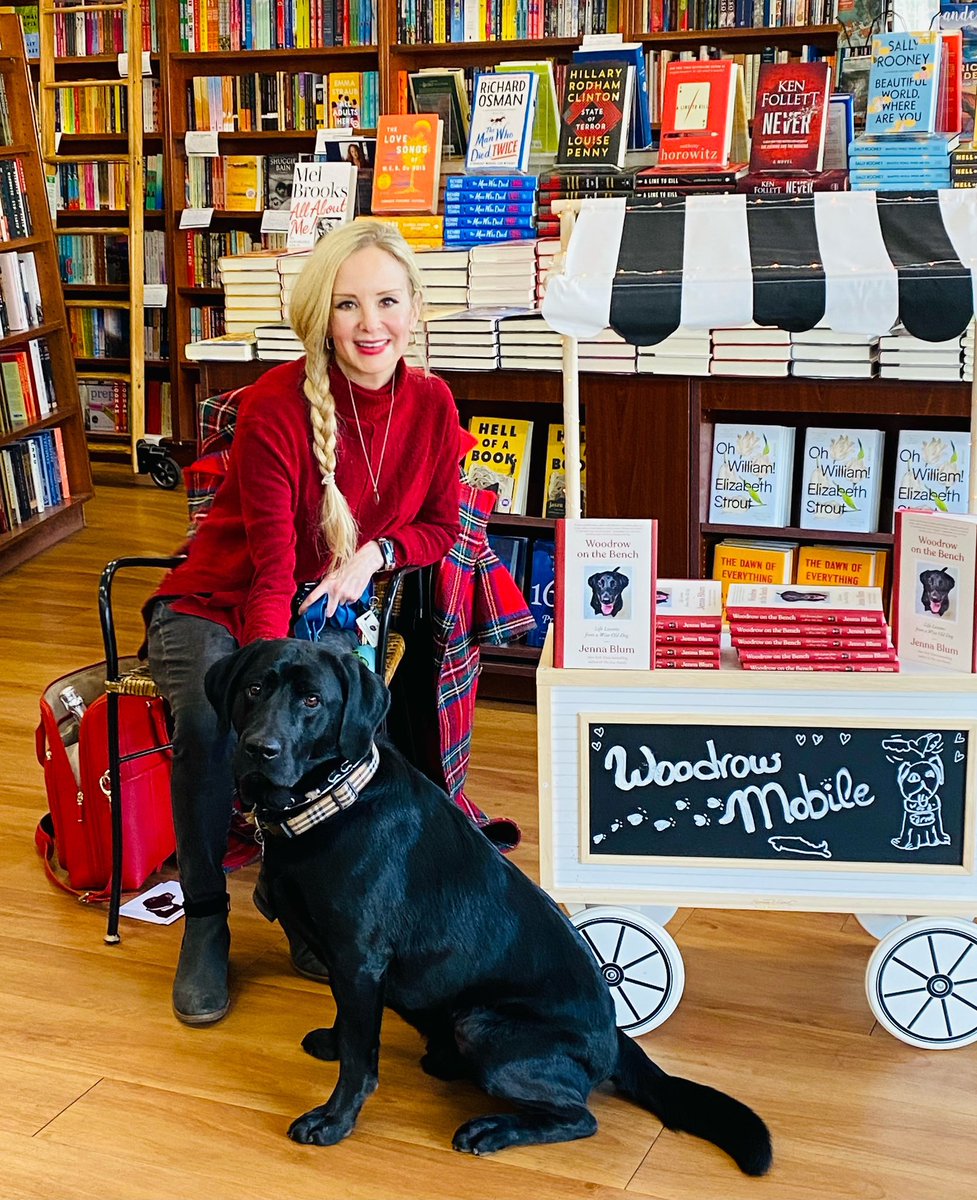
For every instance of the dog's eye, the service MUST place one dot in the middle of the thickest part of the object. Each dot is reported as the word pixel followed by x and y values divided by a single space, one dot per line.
pixel 312 701
pixel 252 690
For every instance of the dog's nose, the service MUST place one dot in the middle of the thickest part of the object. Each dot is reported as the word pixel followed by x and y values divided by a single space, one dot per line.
pixel 263 748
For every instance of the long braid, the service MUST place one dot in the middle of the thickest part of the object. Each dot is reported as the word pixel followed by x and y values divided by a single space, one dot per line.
pixel 338 526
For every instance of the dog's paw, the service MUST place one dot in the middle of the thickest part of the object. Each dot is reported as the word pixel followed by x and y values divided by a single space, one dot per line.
pixel 321 1043
pixel 484 1135
pixel 315 1128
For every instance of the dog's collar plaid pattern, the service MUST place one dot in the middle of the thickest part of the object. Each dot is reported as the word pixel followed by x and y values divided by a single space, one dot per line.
pixel 341 789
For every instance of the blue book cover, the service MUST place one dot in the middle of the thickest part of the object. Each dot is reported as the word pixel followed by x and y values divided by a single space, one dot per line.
pixel 478 222
pixel 488 208
pixel 503 106
pixel 542 576
pixel 903 83
pixel 902 143
pixel 461 237
pixel 639 134
pixel 478 183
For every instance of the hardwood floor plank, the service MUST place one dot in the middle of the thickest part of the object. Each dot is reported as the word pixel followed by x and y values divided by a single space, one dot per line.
pixel 29 1099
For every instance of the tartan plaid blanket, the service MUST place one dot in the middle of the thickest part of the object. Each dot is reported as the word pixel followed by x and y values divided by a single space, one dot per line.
pixel 476 602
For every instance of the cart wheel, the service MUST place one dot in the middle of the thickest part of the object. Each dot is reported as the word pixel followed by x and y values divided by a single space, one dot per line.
pixel 879 924
pixel 921 982
pixel 165 473
pixel 640 963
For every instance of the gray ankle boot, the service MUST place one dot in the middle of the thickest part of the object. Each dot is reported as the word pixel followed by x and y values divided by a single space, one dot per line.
pixel 200 994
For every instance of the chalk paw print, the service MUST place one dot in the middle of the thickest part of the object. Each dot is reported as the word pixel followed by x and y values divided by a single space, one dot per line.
pixel 663 824
pixel 701 820
pixel 637 818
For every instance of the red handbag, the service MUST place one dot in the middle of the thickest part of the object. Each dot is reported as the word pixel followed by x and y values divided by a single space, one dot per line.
pixel 77 832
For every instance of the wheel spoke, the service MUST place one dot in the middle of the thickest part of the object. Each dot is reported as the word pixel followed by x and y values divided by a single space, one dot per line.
pixel 957 996
pixel 655 987
pixel 643 958
pixel 946 1019
pixel 903 963
pixel 590 942
pixel 969 946
pixel 905 992
pixel 929 1001
pixel 620 942
pixel 627 1000
pixel 936 965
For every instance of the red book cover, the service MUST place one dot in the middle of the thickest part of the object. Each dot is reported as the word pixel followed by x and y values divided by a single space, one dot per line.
pixel 698 113
pixel 775 602
pixel 686 651
pixel 407 165
pixel 798 631
pixel 686 639
pixel 876 668
pixel 706 624
pixel 781 654
pixel 694 664
pixel 949 102
pixel 790 118
pixel 789 644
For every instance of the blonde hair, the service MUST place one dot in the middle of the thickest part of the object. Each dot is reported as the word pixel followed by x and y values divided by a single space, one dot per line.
pixel 310 312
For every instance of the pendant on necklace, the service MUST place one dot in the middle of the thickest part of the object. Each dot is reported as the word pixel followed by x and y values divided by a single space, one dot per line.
pixel 376 496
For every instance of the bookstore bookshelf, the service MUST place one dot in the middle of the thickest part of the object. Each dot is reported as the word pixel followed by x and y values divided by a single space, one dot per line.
pixel 45 478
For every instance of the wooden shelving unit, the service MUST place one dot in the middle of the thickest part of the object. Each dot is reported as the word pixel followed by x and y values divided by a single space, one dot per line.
pixel 23 541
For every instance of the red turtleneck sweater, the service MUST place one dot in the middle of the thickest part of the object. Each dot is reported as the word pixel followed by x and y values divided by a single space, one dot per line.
pixel 262 537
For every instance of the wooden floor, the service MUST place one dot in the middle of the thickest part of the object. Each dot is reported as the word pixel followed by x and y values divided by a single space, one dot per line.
pixel 103 1095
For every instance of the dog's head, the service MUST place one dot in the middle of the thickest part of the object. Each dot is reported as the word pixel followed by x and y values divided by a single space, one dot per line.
pixel 606 589
pixel 295 706
pixel 937 586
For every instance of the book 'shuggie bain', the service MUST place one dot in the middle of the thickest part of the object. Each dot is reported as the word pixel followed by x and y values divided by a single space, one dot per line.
pixel 77 829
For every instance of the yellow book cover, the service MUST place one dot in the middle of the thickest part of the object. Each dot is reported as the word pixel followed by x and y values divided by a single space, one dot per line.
pixel 753 562
pixel 500 461
pixel 408 163
pixel 836 566
pixel 345 99
pixel 244 188
pixel 554 488
pixel 425 228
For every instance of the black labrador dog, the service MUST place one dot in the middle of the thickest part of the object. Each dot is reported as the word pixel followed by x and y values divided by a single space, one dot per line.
pixel 412 907
pixel 607 592
pixel 937 586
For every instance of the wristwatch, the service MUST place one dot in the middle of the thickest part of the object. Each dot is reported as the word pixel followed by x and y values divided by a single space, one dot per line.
pixel 388 552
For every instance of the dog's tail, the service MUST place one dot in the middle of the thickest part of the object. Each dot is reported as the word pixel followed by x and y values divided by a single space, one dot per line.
pixel 693 1108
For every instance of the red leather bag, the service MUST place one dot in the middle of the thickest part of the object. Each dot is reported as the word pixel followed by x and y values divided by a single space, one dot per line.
pixel 77 832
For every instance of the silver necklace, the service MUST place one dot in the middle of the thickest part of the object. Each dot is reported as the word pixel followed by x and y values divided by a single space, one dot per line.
pixel 374 478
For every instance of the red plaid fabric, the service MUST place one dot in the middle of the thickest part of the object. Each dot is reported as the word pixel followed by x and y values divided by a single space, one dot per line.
pixel 476 602
pixel 216 418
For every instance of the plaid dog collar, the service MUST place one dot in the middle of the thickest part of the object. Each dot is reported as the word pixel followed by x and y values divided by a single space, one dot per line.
pixel 340 790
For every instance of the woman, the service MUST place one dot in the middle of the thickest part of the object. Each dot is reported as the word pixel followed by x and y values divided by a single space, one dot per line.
pixel 343 464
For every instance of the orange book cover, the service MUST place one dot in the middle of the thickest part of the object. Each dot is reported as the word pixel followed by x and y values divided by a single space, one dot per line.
pixel 345 99
pixel 837 566
pixel 703 114
pixel 408 164
pixel 751 563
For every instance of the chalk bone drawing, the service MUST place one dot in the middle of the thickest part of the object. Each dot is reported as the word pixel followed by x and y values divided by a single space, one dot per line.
pixel 919 776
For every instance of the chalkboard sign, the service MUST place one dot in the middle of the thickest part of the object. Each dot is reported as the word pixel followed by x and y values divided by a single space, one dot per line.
pixel 658 787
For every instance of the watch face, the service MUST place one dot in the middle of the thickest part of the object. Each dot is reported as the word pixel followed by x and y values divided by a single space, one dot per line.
pixel 692 105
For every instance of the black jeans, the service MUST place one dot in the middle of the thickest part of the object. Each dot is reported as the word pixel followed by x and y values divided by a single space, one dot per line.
pixel 181 648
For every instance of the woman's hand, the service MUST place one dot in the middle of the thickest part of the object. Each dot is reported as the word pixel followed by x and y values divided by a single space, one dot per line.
pixel 348 583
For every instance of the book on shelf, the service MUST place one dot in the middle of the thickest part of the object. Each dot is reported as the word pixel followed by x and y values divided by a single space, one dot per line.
pixel 546 120
pixel 279 175
pixel 500 138
pixel 789 121
pixel 228 347
pixel 752 469
pixel 555 481
pixel 841 566
pixel 323 197
pixel 742 560
pixel 408 164
pixel 244 182
pixel 610 48
pixel 703 116
pixel 500 461
pixel 934 599
pixel 932 471
pixel 769 183
pixel 605 593
pixel 769 603
pixel 839 131
pixel 903 84
pixel 841 478
pixel 595 114
pixel 512 551
pixel 345 99
pixel 688 608
pixel 540 588
pixel 442 90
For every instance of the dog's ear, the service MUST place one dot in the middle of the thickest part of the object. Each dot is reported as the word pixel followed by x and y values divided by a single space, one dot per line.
pixel 366 704
pixel 593 579
pixel 223 679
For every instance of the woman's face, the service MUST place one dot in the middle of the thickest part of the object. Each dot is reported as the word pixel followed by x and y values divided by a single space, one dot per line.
pixel 372 316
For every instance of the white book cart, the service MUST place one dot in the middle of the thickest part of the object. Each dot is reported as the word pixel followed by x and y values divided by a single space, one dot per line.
pixel 829 792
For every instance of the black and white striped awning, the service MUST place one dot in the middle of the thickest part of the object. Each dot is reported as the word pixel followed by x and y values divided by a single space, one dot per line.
pixel 856 262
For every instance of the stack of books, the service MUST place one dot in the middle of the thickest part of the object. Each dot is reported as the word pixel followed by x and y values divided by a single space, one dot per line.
pixel 906 357
pixel 898 162
pixel 752 560
pixel 967 343
pixel 502 276
pixel 290 267
pixel 684 352
pixel 278 342
pixel 841 566
pixel 528 343
pixel 824 354
pixel 463 341
pixel 227 347
pixel 576 185
pixel 252 290
pixel 688 624
pixel 661 183
pixel 753 350
pixel 805 629
pixel 547 250
pixel 489 208
pixel 445 276
pixel 963 164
